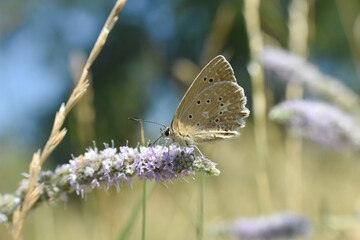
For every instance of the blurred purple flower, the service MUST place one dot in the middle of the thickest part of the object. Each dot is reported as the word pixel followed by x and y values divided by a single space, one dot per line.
pixel 277 226
pixel 289 67
pixel 3 218
pixel 8 203
pixel 319 122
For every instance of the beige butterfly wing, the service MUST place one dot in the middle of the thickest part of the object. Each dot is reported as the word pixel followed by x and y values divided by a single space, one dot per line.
pixel 213 108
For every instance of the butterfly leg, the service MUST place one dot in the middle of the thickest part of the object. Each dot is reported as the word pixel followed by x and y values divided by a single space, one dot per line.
pixel 199 150
pixel 152 144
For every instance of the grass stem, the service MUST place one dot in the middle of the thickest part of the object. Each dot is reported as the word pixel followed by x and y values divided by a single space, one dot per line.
pixel 200 227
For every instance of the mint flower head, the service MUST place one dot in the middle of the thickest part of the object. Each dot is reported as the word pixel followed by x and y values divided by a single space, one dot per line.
pixel 111 167
pixel 276 226
pixel 320 122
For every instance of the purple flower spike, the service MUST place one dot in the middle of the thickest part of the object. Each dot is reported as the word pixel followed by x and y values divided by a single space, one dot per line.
pixel 111 167
pixel 319 122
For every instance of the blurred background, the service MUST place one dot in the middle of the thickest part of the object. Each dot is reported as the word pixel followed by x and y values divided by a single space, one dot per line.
pixel 151 57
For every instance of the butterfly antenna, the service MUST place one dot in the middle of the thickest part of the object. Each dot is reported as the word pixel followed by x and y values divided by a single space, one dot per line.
pixel 135 119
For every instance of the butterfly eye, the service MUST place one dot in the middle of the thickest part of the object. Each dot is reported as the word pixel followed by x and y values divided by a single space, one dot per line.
pixel 198 124
pixel 167 132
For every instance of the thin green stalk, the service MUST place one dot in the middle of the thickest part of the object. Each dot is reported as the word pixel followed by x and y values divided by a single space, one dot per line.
pixel 144 188
pixel 135 213
pixel 131 221
pixel 143 234
pixel 200 227
pixel 144 211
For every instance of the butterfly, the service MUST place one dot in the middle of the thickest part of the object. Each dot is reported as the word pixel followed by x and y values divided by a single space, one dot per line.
pixel 212 109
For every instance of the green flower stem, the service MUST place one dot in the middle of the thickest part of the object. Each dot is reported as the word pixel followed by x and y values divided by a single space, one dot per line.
pixel 200 227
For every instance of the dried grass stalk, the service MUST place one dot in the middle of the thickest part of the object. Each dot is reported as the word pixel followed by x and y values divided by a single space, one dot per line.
pixel 256 44
pixel 57 134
